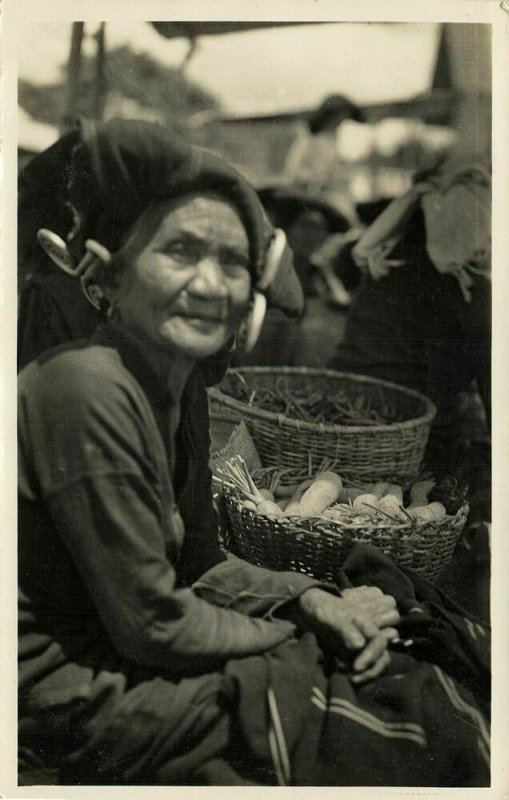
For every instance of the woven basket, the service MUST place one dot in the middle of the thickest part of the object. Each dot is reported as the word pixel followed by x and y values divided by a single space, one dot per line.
pixel 318 547
pixel 367 451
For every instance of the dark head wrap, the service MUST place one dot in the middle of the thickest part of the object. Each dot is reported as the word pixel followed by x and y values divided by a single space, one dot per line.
pixel 335 107
pixel 119 167
pixel 42 203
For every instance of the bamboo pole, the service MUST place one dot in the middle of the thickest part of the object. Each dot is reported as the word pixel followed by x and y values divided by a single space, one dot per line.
pixel 100 77
pixel 73 75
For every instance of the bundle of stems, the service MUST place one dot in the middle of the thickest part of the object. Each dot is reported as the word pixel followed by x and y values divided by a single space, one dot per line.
pixel 235 474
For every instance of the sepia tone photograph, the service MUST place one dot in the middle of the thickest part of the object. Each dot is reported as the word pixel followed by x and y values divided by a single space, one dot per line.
pixel 254 400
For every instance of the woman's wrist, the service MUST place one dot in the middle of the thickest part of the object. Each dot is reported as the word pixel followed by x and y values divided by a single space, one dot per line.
pixel 311 601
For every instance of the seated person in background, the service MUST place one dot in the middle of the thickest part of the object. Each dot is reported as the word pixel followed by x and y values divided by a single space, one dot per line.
pixel 422 315
pixel 308 224
pixel 313 164
pixel 146 656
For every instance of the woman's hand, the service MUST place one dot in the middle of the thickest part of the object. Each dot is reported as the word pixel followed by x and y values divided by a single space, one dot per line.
pixel 359 622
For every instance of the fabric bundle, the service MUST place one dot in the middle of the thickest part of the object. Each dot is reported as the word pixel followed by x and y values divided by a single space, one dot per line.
pixel 455 199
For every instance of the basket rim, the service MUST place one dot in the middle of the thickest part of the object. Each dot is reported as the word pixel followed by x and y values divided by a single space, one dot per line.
pixel 321 427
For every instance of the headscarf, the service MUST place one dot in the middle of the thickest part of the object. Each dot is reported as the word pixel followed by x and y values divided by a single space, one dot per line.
pixel 119 167
pixel 43 203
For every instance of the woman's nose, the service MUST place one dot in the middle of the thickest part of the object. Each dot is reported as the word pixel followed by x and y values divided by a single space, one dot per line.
pixel 208 279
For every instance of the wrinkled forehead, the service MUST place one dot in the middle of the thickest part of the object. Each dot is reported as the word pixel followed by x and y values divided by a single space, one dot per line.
pixel 203 215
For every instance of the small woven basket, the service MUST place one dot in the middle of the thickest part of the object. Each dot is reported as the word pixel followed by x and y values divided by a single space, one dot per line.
pixel 319 546
pixel 364 451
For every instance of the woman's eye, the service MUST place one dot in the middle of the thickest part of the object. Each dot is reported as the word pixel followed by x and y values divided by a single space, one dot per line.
pixel 182 251
pixel 234 264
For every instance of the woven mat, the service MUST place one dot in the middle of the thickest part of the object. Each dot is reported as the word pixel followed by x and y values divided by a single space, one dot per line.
pixel 239 443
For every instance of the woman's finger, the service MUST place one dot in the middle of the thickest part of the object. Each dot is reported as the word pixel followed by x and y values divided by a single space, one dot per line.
pixel 387 618
pixel 353 638
pixel 362 591
pixel 374 649
pixel 369 597
pixel 366 625
pixel 381 664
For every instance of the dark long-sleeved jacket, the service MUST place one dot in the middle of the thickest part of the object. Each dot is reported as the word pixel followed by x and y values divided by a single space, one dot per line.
pixel 119 561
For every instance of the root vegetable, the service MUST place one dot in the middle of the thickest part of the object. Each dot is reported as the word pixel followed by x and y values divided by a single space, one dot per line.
pixel 249 505
pixel 295 499
pixel 266 494
pixel 286 491
pixel 323 492
pixel 419 493
pixel 348 494
pixel 394 490
pixel 268 508
pixel 365 503
pixel 379 489
pixel 428 513
pixel 391 506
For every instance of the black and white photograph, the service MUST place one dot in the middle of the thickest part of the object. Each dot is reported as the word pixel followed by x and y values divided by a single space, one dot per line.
pixel 254 540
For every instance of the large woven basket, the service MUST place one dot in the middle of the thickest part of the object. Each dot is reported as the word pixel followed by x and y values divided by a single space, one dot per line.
pixel 370 451
pixel 318 547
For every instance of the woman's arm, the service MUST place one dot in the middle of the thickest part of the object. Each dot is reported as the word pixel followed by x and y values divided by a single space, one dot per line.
pixel 91 455
pixel 84 430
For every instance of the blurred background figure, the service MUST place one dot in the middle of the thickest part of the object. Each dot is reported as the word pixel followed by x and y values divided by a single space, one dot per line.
pixel 315 168
pixel 313 164
pixel 308 223
pixel 422 314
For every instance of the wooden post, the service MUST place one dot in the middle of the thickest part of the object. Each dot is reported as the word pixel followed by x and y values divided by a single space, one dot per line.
pixel 73 75
pixel 100 77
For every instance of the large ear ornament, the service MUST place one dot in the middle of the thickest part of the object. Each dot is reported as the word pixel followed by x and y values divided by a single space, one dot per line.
pixel 55 247
pixel 250 328
pixel 96 256
pixel 249 331
pixel 86 270
pixel 272 260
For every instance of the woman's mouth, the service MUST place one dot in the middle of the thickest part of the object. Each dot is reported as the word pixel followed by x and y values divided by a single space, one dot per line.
pixel 204 323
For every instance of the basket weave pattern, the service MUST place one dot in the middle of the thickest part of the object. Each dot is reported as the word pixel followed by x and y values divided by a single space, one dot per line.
pixel 318 547
pixel 370 451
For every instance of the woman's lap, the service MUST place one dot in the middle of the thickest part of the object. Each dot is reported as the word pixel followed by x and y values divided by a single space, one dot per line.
pixel 121 732
pixel 409 727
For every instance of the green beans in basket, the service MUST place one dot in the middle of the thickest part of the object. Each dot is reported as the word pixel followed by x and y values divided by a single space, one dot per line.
pixel 366 427
pixel 315 405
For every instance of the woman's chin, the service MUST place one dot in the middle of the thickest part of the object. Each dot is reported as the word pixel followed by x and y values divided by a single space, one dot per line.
pixel 196 338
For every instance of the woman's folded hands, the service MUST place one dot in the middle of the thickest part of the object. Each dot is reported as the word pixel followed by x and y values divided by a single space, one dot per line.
pixel 357 626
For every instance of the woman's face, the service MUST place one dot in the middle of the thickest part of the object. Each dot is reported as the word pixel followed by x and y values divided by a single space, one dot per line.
pixel 306 233
pixel 186 286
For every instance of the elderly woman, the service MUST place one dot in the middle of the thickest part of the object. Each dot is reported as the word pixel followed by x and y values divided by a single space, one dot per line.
pixel 145 654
